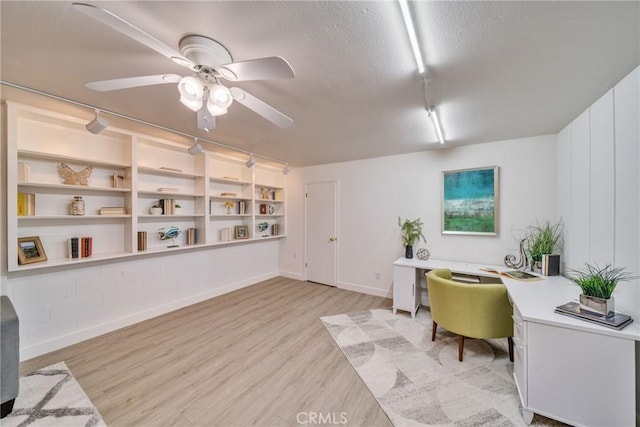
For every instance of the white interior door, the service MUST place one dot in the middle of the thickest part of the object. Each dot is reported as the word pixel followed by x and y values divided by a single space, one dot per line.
pixel 321 232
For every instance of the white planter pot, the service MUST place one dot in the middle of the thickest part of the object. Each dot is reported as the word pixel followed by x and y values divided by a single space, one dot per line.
pixel 155 211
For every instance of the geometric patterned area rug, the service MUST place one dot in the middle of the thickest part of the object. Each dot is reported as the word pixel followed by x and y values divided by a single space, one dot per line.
pixel 418 382
pixel 52 397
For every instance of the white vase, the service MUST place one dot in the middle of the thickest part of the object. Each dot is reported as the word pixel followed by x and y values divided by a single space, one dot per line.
pixel 177 211
pixel 155 211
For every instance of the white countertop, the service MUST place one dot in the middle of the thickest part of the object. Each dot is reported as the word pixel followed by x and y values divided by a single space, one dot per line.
pixel 535 300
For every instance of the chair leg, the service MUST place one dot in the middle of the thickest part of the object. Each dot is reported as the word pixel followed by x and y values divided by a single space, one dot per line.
pixel 460 347
pixel 510 339
pixel 7 407
pixel 433 331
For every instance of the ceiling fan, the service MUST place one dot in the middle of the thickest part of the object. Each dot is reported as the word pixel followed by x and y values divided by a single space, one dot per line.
pixel 211 62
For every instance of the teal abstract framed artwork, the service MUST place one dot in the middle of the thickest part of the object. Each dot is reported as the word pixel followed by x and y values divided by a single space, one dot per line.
pixel 470 201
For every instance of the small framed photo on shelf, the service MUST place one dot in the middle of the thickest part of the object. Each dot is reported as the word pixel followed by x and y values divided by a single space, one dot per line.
pixel 241 232
pixel 30 250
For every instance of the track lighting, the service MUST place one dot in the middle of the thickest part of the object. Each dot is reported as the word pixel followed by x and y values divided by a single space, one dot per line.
pixel 411 31
pixel 251 161
pixel 286 169
pixel 98 124
pixel 196 148
pixel 436 123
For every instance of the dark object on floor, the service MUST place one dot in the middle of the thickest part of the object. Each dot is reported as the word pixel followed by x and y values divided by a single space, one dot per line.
pixel 9 356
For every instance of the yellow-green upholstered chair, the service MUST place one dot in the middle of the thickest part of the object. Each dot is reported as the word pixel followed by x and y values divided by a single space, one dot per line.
pixel 472 310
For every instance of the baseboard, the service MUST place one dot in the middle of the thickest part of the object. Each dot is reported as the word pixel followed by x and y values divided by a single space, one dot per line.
pixel 366 290
pixel 103 328
pixel 290 275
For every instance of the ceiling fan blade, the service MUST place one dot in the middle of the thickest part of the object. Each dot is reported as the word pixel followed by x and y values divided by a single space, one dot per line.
pixel 273 67
pixel 132 31
pixel 261 108
pixel 129 82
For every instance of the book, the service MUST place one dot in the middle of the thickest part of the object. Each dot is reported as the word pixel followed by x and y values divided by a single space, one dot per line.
pixel 168 190
pixel 26 204
pixel 579 311
pixel 523 276
pixel 118 181
pixel 74 248
pixel 113 210
pixel 170 169
pixel 228 194
pixel 24 172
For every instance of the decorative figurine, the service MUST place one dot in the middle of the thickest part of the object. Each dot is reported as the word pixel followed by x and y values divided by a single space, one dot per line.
pixel 72 177
pixel 423 254
pixel 169 233
pixel 511 261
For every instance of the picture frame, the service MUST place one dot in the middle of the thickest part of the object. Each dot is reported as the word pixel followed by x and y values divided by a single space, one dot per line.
pixel 241 232
pixel 30 250
pixel 470 201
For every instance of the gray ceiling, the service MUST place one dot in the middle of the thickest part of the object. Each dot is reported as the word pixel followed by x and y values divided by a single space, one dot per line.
pixel 496 70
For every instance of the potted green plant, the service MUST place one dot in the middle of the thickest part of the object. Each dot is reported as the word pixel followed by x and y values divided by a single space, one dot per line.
pixel 542 239
pixel 411 231
pixel 598 284
pixel 177 209
pixel 155 209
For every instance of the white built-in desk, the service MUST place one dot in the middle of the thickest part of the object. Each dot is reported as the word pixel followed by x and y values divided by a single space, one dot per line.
pixel 564 368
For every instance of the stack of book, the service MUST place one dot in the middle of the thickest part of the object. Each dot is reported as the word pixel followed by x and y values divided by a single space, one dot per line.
pixel 26 204
pixel 168 206
pixel 113 210
pixel 579 311
pixel 242 207
pixel 80 247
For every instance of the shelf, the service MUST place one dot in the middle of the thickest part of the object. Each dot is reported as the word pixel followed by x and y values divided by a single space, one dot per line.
pixel 58 262
pixel 230 215
pixel 70 159
pixel 72 217
pixel 170 216
pixel 167 193
pixel 258 185
pixel 269 216
pixel 168 172
pixel 72 188
pixel 230 198
pixel 269 201
pixel 223 180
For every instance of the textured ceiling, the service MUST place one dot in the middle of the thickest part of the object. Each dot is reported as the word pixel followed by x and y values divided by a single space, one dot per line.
pixel 496 70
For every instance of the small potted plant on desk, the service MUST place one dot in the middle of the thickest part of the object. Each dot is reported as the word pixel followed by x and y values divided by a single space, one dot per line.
pixel 543 239
pixel 411 231
pixel 597 286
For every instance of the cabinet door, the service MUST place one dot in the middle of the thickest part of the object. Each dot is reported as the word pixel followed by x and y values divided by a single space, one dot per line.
pixel 404 288
pixel 581 377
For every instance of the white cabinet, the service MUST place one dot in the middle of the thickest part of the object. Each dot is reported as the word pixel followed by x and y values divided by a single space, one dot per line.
pixel 130 172
pixel 557 369
pixel 405 295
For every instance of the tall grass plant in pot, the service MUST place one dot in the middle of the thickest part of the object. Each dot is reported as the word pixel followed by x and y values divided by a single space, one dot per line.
pixel 543 239
pixel 598 284
pixel 410 231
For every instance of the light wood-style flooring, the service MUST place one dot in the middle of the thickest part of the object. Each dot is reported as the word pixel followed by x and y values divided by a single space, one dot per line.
pixel 257 356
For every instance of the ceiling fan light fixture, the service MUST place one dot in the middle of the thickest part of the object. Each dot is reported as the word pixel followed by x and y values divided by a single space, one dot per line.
pixel 286 169
pixel 191 92
pixel 220 96
pixel 214 110
pixel 192 104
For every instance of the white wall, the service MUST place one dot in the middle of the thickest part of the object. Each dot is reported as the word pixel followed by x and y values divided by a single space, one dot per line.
pixel 58 307
pixel 374 192
pixel 599 187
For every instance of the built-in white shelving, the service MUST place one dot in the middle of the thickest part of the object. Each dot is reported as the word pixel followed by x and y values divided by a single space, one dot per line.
pixel 148 169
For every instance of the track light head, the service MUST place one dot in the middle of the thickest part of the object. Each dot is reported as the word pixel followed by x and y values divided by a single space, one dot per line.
pixel 251 161
pixel 98 124
pixel 195 149
pixel 286 169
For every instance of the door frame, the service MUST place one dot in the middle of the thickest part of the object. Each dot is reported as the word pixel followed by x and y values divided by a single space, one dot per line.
pixel 337 225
